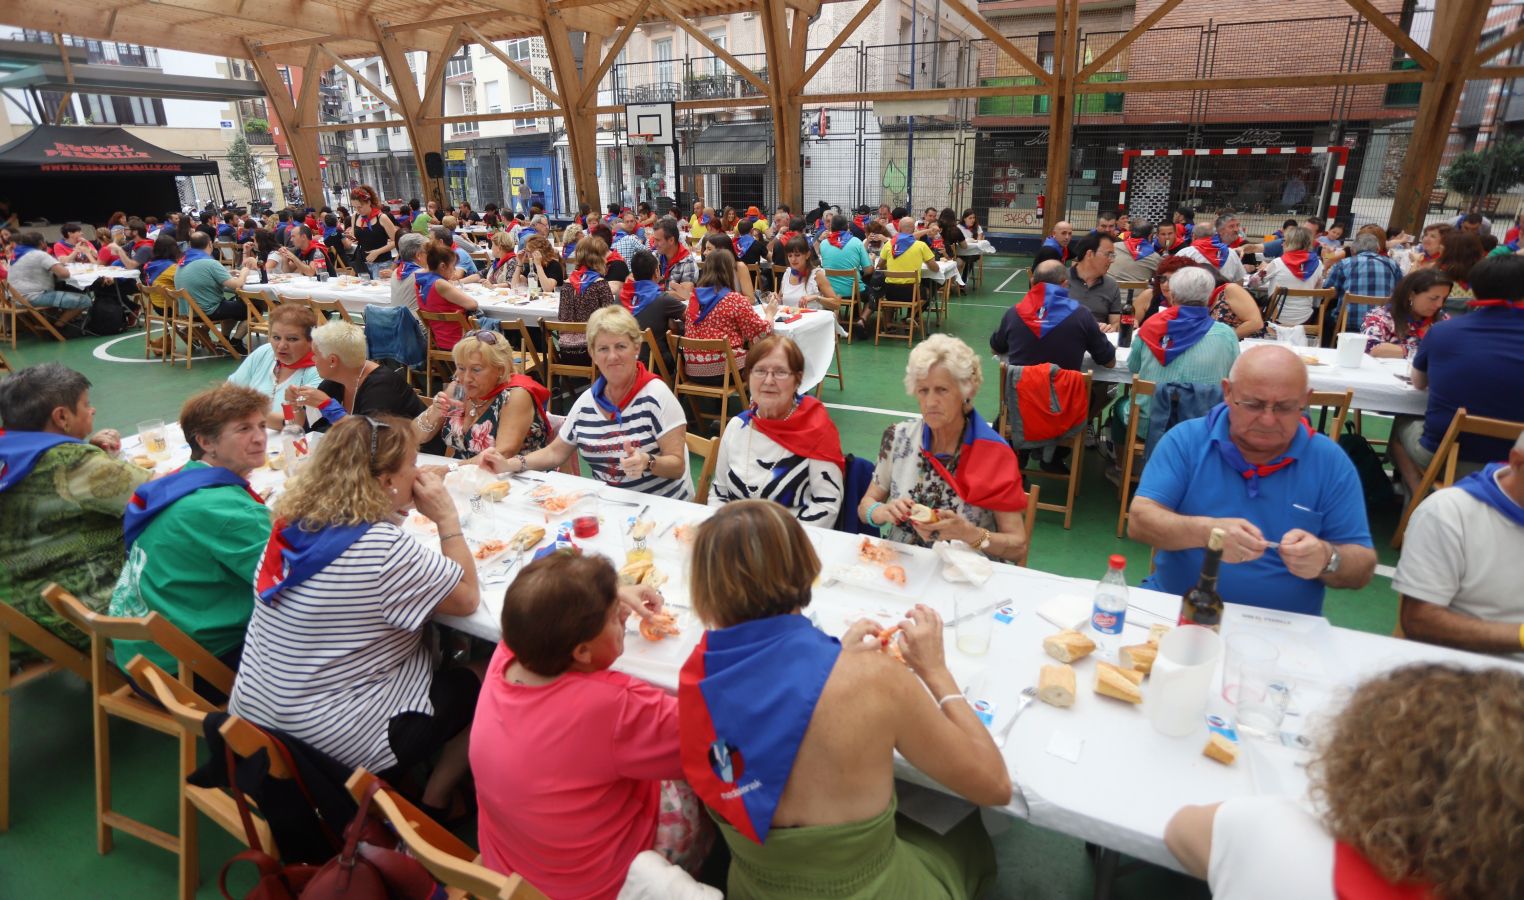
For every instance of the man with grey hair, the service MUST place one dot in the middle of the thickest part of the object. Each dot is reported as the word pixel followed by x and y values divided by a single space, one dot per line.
pixel 404 290
pixel 1043 327
pixel 1367 272
pixel 1208 247
pixel 1456 584
pixel 61 498
pixel 538 225
pixel 1180 343
pixel 1286 497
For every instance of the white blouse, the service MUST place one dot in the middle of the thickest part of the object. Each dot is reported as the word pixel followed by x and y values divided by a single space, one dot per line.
pixel 753 466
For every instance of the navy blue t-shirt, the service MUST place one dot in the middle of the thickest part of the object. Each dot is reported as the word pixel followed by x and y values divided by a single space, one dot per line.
pixel 1476 361
pixel 1065 346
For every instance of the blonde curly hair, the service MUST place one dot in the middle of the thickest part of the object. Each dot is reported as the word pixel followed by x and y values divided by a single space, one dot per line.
pixel 1423 773
pixel 340 484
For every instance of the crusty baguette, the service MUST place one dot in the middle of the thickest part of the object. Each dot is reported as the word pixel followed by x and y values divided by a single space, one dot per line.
pixel 634 572
pixel 1055 685
pixel 1221 749
pixel 1067 646
pixel 1117 683
pixel 1139 657
pixel 1156 632
pixel 924 514
pixel 495 490
pixel 527 537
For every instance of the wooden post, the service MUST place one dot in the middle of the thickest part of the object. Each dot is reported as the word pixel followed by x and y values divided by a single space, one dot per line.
pixel 423 137
pixel 577 99
pixel 1061 111
pixel 1457 33
pixel 68 67
pixel 300 138
pixel 782 72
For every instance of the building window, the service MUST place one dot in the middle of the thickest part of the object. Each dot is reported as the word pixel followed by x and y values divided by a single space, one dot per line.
pixel 1045 50
pixel 518 50
pixel 459 65
pixel 492 95
pixel 716 65
pixel 661 54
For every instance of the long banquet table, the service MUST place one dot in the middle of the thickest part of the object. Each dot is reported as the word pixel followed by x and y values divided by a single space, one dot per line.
pixel 355 295
pixel 1097 771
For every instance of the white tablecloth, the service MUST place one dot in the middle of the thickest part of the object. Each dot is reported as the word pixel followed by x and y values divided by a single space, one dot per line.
pixel 1376 383
pixel 947 268
pixel 1117 783
pixel 82 275
pixel 355 296
pixel 815 333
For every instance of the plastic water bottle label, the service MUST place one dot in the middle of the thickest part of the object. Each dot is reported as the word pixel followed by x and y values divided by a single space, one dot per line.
pixel 985 710
pixel 1005 614
pixel 1107 622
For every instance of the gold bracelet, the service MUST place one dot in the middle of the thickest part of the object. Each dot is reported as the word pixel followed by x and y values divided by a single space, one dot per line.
pixel 1521 634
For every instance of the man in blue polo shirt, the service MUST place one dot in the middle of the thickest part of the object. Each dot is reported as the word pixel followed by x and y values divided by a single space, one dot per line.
pixel 1287 497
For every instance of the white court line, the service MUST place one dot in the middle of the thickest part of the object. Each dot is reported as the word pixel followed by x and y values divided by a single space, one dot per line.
pixel 984 305
pixel 101 354
pixel 897 413
pixel 1001 289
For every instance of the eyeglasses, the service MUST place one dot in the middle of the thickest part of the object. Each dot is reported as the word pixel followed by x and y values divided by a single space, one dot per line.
pixel 375 433
pixel 1284 408
pixel 772 374
pixel 485 336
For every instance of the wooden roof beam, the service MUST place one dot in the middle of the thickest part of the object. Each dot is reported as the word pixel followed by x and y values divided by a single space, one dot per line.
pixel 1127 39
pixel 1002 42
pixel 513 65
pixel 134 28
pixel 1394 31
pixel 324 17
pixel 433 79
pixel 677 18
pixel 365 82
pixel 590 84
pixel 1507 42
pixel 841 38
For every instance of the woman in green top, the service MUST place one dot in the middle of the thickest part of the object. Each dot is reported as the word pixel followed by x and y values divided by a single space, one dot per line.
pixel 195 537
pixel 806 728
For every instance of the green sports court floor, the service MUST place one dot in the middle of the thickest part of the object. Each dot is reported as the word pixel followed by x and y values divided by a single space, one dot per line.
pixel 50 849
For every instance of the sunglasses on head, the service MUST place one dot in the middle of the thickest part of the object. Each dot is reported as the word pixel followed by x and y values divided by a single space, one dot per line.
pixel 485 336
pixel 375 433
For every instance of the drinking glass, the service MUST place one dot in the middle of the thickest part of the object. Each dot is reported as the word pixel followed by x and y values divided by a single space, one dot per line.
pixel 974 629
pixel 1243 648
pixel 1264 693
pixel 155 442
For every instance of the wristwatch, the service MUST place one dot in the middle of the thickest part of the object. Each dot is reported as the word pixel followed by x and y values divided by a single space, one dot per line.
pixel 1333 560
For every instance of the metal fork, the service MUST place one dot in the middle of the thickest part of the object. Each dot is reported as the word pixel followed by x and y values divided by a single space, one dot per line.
pixel 1028 694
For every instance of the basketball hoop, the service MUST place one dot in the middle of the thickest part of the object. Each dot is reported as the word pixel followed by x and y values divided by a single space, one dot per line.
pixel 640 137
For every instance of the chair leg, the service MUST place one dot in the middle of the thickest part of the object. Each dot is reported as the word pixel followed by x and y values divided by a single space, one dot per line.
pixel 190 857
pixel 103 835
pixel 1076 466
pixel 5 731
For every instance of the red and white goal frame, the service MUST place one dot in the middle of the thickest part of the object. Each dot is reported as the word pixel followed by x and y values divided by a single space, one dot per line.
pixel 1339 154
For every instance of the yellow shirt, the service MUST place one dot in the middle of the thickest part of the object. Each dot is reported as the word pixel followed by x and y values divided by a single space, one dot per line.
pixel 696 231
pixel 906 263
pixel 761 223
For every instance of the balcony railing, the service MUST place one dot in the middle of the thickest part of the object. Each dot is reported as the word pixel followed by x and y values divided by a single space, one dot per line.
pixel 259 138
pixel 458 68
pixel 649 93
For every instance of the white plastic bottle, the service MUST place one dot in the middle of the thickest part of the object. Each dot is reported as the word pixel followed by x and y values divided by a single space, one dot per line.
pixel 1110 610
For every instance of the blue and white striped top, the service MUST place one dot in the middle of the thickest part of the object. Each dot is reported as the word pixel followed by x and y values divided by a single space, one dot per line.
pixel 653 413
pixel 337 656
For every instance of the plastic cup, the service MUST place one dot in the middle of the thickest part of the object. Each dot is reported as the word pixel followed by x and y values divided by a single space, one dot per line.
pixel 155 441
pixel 973 630
pixel 1239 649
pixel 1264 693
pixel 1351 350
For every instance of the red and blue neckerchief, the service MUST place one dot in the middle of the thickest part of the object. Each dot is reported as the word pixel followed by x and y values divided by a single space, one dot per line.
pixel 1175 330
pixel 141 243
pixel 583 278
pixel 1213 250
pixel 1063 249
pixel 1140 248
pixel 315 255
pixel 423 285
pixel 705 299
pixel 1234 457
pixel 666 265
pixel 153 497
pixel 614 409
pixel 745 698
pixel 1354 878
pixel 743 244
pixel 21 250
pixel 568 250
pixel 613 256
pixel 808 431
pixel 407 268
pixel 1184 230
pixel 367 221
pixel 295 554
pixel 154 268
pixel 838 239
pixel 192 255
pixel 988 475
pixel 20 451
pixel 1424 259
pixel 501 261
pixel 635 295
pixel 1301 264
pixel 787 236
pixel 538 393
pixel 1484 486
pixel 1495 304
pixel 1045 307
pixel 902 243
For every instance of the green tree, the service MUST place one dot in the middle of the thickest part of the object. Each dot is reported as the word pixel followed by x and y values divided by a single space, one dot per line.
pixel 242 166
pixel 1493 170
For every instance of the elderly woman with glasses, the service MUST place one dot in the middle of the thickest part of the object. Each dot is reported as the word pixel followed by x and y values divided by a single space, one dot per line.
pixel 628 426
pixel 339 564
pixel 489 406
pixel 949 461
pixel 785 448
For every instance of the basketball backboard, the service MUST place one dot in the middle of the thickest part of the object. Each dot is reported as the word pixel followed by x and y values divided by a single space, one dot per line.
pixel 653 119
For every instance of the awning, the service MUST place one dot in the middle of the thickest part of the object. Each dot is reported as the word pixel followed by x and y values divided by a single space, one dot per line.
pixel 737 148
pixel 72 150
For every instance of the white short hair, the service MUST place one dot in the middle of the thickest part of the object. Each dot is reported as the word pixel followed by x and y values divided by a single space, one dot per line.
pixel 1192 286
pixel 960 361
pixel 345 340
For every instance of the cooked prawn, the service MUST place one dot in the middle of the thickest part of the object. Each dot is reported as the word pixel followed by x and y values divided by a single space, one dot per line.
pixel 895 574
pixel 659 626
pixel 876 551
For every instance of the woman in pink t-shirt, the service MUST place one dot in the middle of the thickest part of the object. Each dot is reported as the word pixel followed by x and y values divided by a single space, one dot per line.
pixel 577 766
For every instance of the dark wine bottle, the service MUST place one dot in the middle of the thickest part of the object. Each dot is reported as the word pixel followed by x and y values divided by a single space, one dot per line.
pixel 1201 605
pixel 1129 322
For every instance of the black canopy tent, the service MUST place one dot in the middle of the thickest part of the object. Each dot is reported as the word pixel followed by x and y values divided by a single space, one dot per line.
pixel 69 173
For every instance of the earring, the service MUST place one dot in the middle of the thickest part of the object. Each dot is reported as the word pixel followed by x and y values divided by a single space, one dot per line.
pixel 394 492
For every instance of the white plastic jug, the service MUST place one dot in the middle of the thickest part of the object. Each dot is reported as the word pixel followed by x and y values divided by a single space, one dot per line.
pixel 1181 680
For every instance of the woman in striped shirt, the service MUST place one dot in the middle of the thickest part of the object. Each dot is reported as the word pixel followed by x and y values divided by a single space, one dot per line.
pixel 334 654
pixel 628 426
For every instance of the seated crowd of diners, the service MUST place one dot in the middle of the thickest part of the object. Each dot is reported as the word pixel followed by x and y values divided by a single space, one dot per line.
pixel 324 602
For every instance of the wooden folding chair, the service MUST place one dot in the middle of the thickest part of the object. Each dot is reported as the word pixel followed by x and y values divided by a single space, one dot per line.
pixel 732 382
pixel 1441 470
pixel 837 373
pixel 938 305
pixel 329 311
pixel 198 328
pixel 1313 327
pixel 5 364
pixel 1076 446
pixel 754 273
pixel 56 656
pixel 258 325
pixel 848 303
pixel 554 367
pixel 526 357
pixel 227 253
pixel 434 354
pixel 654 360
pixel 173 331
pixel 189 711
pixel 1336 401
pixel 1132 448
pixel 912 321
pixel 1357 300
pixel 1029 518
pixel 110 695
pixel 449 859
pixel 707 449
pixel 21 312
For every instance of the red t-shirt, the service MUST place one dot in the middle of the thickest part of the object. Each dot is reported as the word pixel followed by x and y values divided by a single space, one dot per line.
pixel 568 776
